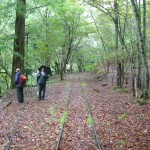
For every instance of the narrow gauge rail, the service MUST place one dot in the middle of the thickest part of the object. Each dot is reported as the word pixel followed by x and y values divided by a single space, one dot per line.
pixel 9 102
pixel 97 140
pixel 6 105
pixel 98 144
pixel 63 125
pixel 10 137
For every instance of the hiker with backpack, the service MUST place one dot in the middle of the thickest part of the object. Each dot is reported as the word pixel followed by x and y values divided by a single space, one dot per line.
pixel 42 77
pixel 19 81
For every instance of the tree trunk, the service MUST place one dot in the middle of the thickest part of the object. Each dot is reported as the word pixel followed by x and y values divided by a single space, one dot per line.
pixel 122 75
pixel 133 79
pixel 71 69
pixel 108 67
pixel 142 46
pixel 116 41
pixel 19 40
pixel 139 81
pixel 135 87
pixel 61 75
pixel 119 75
pixel 57 69
pixel 62 71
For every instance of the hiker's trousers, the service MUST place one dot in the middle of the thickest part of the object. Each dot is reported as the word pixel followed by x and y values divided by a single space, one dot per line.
pixel 42 89
pixel 20 94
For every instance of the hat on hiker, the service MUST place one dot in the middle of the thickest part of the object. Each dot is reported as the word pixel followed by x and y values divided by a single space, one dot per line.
pixel 17 70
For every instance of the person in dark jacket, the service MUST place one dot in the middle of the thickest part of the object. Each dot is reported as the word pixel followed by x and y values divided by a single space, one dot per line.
pixel 19 87
pixel 41 79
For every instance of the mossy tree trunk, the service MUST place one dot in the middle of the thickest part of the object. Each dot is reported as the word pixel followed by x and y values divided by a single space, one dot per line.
pixel 141 32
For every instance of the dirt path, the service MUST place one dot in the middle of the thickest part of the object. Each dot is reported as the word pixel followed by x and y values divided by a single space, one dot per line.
pixel 120 123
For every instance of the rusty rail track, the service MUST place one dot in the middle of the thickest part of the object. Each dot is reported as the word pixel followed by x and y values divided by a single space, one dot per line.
pixel 15 125
pixel 63 124
pixel 93 125
pixel 97 141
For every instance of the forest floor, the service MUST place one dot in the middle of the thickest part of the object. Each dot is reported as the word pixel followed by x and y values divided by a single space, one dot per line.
pixel 121 124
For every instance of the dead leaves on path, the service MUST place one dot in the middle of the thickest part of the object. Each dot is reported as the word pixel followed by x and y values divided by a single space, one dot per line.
pixel 121 124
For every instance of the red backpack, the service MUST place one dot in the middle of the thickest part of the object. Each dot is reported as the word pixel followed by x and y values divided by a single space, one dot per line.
pixel 22 80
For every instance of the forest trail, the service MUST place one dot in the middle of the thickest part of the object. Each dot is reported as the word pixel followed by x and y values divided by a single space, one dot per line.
pixel 120 124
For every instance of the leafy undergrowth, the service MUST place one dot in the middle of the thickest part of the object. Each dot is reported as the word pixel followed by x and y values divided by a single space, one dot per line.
pixel 121 123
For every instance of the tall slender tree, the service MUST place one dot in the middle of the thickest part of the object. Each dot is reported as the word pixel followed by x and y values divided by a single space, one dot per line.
pixel 141 35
